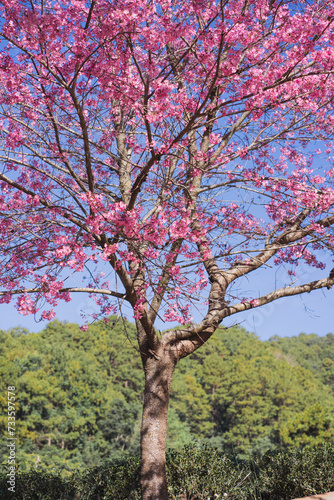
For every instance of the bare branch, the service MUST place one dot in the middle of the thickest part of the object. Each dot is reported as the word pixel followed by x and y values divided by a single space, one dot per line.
pixel 277 294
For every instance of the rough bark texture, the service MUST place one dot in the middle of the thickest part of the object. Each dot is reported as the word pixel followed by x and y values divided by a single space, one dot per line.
pixel 158 378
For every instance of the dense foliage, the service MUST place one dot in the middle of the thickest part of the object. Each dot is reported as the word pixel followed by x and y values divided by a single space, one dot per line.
pixel 79 394
pixel 201 474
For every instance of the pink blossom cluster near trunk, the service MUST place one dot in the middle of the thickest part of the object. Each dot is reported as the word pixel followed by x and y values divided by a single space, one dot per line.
pixel 160 151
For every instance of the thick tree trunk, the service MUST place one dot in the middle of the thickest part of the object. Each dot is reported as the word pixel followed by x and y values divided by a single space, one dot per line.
pixel 158 378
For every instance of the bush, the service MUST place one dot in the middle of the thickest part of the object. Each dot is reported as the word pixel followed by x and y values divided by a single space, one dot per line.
pixel 206 474
pixel 193 474
pixel 111 481
pixel 35 485
pixel 295 473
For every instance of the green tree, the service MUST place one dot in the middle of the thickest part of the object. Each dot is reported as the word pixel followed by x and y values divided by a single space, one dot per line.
pixel 80 393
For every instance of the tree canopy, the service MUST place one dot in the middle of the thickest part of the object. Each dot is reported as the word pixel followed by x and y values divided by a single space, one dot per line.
pixel 148 135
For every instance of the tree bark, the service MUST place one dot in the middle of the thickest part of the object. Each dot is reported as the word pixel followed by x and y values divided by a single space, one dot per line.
pixel 159 370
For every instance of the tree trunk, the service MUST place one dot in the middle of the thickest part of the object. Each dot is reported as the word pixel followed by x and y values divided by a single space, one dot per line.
pixel 158 378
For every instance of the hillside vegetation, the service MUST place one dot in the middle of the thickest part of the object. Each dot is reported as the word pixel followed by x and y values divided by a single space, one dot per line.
pixel 79 394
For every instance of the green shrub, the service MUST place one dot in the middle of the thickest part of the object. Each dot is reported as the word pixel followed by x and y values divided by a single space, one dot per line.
pixel 206 474
pixel 111 481
pixel 193 474
pixel 294 473
pixel 35 485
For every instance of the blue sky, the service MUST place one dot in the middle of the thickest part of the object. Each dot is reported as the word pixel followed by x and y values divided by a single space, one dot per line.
pixel 308 313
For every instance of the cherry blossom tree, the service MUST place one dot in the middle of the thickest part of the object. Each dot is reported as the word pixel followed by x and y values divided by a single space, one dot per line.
pixel 161 151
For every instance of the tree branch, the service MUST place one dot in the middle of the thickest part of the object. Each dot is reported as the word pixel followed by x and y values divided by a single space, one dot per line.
pixel 187 340
pixel 277 294
pixel 64 290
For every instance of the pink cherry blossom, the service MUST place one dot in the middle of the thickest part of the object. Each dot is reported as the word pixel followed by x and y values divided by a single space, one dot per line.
pixel 175 147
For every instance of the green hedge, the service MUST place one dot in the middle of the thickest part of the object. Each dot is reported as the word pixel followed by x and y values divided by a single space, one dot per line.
pixel 194 473
pixel 295 473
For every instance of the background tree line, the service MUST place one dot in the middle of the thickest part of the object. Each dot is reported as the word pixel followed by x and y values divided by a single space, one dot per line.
pixel 80 393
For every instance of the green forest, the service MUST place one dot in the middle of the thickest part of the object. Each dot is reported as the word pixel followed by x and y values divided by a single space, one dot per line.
pixel 79 394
